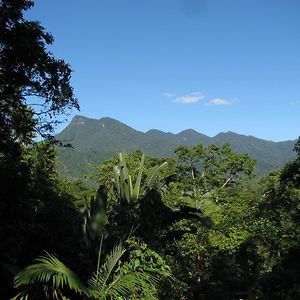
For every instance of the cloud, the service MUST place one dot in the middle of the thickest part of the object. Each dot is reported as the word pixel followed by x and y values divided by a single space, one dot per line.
pixel 197 97
pixel 190 98
pixel 219 101
pixel 168 94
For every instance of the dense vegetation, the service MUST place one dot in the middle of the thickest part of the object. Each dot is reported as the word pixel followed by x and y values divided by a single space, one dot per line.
pixel 199 225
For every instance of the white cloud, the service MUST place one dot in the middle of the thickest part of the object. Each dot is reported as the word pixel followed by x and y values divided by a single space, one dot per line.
pixel 168 94
pixel 190 98
pixel 219 101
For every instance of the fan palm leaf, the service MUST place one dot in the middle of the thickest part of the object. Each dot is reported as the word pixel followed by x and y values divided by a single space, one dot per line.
pixel 49 271
pixel 52 276
pixel 99 280
pixel 126 284
pixel 105 284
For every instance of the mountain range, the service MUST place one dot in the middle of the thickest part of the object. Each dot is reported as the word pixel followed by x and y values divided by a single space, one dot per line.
pixel 94 141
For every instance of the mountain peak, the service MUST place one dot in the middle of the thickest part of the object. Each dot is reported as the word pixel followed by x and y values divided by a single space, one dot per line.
pixel 155 132
pixel 79 120
pixel 227 133
pixel 108 119
pixel 189 132
pixel 102 122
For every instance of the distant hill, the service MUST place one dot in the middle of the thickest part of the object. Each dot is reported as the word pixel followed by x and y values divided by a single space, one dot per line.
pixel 97 140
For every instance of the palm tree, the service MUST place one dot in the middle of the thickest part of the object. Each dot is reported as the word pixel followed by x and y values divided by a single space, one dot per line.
pixel 49 278
pixel 46 278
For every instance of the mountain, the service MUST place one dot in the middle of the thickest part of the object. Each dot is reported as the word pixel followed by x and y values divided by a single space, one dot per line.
pixel 97 140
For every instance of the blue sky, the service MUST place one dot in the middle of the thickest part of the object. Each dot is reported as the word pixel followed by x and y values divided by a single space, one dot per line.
pixel 210 65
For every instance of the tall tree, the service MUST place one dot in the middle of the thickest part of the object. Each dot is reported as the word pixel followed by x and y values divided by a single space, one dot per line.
pixel 34 90
pixel 34 85
pixel 206 168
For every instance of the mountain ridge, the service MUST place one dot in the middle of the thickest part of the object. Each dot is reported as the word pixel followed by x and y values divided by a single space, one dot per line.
pixel 107 118
pixel 97 140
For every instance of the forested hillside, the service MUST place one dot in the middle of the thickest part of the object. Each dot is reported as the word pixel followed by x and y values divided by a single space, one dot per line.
pixel 94 141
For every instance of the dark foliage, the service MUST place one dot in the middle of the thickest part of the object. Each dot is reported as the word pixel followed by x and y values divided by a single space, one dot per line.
pixel 222 233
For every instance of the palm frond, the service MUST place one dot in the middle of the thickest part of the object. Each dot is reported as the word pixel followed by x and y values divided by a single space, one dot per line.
pixel 126 285
pixel 137 186
pixel 21 296
pixel 152 176
pixel 50 271
pixel 99 281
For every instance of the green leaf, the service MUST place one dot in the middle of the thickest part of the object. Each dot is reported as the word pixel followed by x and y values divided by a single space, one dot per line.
pixel 49 271
pixel 137 186
pixel 152 175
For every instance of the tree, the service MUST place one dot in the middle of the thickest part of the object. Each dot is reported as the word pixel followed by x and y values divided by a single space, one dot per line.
pixel 204 168
pixel 34 85
pixel 291 172
pixel 34 91
pixel 297 148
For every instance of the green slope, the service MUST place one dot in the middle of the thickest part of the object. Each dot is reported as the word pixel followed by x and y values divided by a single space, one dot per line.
pixel 97 140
